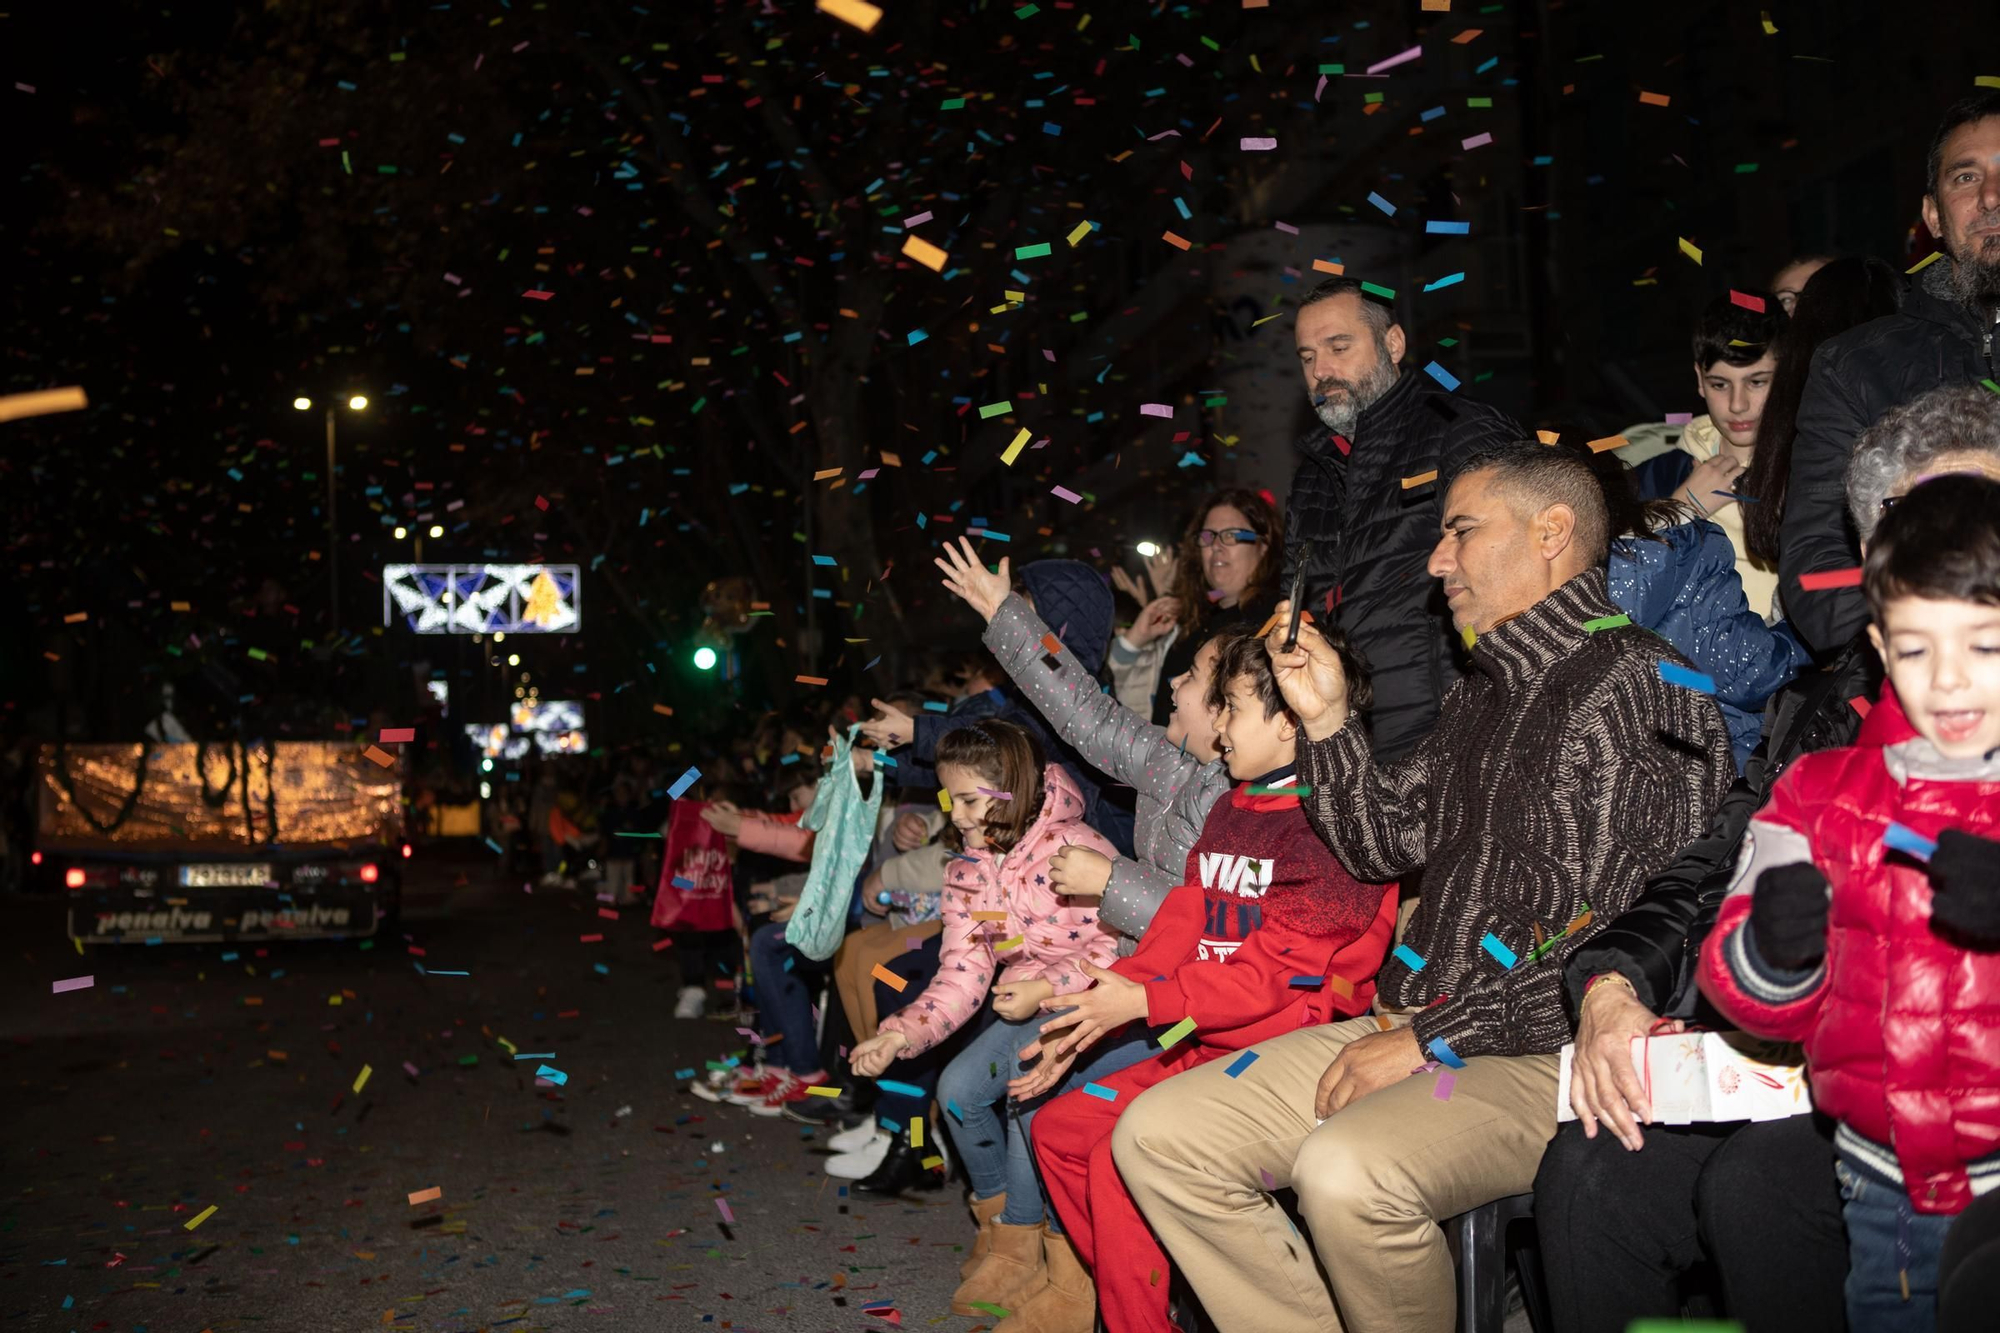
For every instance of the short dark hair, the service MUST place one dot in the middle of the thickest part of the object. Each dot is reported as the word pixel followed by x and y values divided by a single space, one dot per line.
pixel 1736 335
pixel 1546 475
pixel 1941 541
pixel 1378 315
pixel 1241 652
pixel 1012 759
pixel 1975 107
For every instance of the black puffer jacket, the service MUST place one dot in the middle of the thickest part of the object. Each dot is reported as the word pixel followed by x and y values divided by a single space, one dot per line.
pixel 1934 339
pixel 1371 539
pixel 1655 943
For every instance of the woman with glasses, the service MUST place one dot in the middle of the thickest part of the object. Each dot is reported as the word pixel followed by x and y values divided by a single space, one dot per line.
pixel 1225 574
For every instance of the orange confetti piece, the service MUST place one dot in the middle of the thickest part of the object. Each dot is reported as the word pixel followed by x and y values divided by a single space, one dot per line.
pixel 15 406
pixel 1051 642
pixel 1328 266
pixel 1608 442
pixel 858 12
pixel 76 618
pixel 377 755
pixel 1421 479
pixel 809 680
pixel 425 1196
pixel 1468 35
pixel 1655 99
pixel 663 710
pixel 888 978
pixel 923 252
pixel 1172 239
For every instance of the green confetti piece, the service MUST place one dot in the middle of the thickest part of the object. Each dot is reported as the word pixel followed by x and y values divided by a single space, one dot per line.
pixel 1333 69
pixel 1280 791
pixel 992 410
pixel 953 104
pixel 1606 622
pixel 1173 1035
pixel 997 1311
pixel 1032 251
pixel 1386 293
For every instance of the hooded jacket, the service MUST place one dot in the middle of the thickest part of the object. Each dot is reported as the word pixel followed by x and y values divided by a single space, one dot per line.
pixel 1075 599
pixel 1175 789
pixel 1897 1020
pixel 1371 537
pixel 1934 339
pixel 1685 587
pixel 1661 476
pixel 1037 935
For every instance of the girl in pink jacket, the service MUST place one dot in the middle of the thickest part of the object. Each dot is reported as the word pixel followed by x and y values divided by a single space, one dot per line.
pixel 1011 812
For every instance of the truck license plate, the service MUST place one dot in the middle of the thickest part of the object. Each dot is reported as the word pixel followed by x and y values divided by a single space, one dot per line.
pixel 228 875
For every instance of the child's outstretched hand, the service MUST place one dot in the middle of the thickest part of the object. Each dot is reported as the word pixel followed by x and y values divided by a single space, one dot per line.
pixel 965 575
pixel 1109 1005
pixel 1020 1001
pixel 871 1057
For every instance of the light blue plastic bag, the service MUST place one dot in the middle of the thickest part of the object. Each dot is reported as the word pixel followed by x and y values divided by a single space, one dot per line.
pixel 845 822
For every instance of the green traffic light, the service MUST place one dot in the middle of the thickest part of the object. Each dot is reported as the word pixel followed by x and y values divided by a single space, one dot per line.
pixel 704 659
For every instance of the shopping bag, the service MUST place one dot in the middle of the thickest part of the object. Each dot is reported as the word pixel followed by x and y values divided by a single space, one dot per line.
pixel 695 885
pixel 1710 1077
pixel 845 822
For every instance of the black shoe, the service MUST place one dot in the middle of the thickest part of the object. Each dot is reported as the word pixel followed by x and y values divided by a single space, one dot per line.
pixel 901 1171
pixel 820 1112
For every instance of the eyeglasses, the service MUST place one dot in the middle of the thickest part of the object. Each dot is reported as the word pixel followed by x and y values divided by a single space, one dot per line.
pixel 1229 536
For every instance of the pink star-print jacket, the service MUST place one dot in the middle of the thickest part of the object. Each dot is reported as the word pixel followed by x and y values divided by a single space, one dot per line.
pixel 1051 935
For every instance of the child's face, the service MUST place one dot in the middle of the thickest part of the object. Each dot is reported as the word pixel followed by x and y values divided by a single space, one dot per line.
pixel 1193 722
pixel 1944 660
pixel 1735 396
pixel 1254 744
pixel 968 804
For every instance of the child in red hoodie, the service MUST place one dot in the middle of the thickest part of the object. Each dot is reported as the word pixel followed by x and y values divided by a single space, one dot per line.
pixel 1270 934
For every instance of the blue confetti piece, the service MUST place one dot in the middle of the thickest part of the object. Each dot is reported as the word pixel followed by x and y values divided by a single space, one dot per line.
pixel 496 846
pixel 1448 280
pixel 1312 983
pixel 1409 958
pixel 681 882
pixel 906 1089
pixel 1442 1052
pixel 1382 203
pixel 1447 228
pixel 1503 955
pixel 552 1074
pixel 951 1108
pixel 1442 376
pixel 1908 840
pixel 1675 674
pixel 684 1073
pixel 683 782
pixel 1241 1063
pixel 1099 1090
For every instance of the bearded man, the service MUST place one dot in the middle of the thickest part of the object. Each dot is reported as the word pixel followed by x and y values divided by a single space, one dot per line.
pixel 1366 496
pixel 1944 334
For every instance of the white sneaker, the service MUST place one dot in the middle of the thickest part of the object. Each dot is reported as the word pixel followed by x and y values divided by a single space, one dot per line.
pixel 861 1162
pixel 692 1002
pixel 851 1140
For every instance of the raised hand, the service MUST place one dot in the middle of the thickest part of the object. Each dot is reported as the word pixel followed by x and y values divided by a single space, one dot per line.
pixel 1309 677
pixel 965 575
pixel 1156 619
pixel 890 727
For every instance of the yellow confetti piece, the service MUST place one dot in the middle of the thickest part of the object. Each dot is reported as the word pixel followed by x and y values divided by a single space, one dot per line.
pixel 1013 452
pixel 916 1131
pixel 1690 249
pixel 1925 262
pixel 1468 636
pixel 820 1090
pixel 1082 230
pixel 858 12
pixel 200 1217
pixel 1173 1035
pixel 932 1163
pixel 361 1079
pixel 1987 81
pixel 921 250
pixel 944 800
pixel 1770 28
pixel 1004 945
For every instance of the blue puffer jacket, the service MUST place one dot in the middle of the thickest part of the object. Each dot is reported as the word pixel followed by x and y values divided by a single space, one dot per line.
pixel 1684 587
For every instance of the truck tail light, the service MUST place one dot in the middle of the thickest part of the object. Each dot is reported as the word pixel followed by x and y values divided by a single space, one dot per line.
pixel 74 878
pixel 370 873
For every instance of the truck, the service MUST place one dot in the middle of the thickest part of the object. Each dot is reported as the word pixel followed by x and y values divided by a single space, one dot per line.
pixel 191 842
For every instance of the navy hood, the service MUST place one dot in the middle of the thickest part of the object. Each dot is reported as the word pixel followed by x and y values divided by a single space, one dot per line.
pixel 1073 600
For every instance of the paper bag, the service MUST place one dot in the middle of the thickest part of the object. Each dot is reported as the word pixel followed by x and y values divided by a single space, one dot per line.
pixel 1703 1077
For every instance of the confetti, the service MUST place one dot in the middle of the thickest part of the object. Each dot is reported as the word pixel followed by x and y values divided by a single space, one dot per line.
pixel 1618 621
pixel 1173 1035
pixel 1421 479
pixel 888 978
pixel 1822 580
pixel 1408 957
pixel 1675 674
pixel 1501 954
pixel 72 983
pixel 200 1217
pixel 425 1196
pixel 921 250
pixel 1241 1063
pixel 41 403
pixel 1099 1090
pixel 1441 1051
pixel 1908 840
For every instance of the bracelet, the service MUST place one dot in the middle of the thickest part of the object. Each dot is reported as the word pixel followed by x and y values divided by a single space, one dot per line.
pixel 1603 977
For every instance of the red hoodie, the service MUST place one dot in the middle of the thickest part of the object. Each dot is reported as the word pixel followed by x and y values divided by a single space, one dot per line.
pixel 1271 934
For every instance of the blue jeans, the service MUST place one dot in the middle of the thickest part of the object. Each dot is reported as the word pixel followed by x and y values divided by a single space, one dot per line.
pixel 784 1003
pixel 998 1157
pixel 1886 1239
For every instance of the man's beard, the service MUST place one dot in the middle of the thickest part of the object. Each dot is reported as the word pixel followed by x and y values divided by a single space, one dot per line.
pixel 1975 269
pixel 1356 396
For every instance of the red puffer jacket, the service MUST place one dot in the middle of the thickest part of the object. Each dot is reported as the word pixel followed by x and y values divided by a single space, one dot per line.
pixel 1901 1027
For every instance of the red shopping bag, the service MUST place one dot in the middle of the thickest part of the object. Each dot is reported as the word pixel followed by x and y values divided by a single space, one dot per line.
pixel 695 886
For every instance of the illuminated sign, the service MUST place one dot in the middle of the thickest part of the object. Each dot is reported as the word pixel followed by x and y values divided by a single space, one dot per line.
pixel 483 599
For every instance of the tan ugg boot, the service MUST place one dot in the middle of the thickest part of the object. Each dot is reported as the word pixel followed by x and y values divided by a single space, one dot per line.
pixel 1012 1267
pixel 1066 1304
pixel 985 1212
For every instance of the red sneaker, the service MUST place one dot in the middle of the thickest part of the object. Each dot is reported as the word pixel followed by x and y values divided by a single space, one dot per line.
pixel 788 1089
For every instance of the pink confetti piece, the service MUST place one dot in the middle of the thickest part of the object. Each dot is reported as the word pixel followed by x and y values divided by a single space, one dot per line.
pixel 1270 1181
pixel 538 296
pixel 411 1069
pixel 1476 141
pixel 1286 228
pixel 399 735
pixel 1258 145
pixel 72 983
pixel 1446 1082
pixel 916 221
pixel 1678 418
pixel 869 473
pixel 1065 493
pixel 722 1206
pixel 1400 58
pixel 996 795
pixel 1155 410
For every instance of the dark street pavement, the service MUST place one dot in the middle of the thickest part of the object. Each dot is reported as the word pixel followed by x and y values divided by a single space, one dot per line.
pixel 180 1081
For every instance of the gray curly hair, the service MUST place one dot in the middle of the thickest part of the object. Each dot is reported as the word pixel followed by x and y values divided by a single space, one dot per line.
pixel 1892 453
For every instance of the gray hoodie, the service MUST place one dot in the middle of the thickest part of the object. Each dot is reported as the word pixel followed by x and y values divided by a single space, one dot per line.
pixel 1175 789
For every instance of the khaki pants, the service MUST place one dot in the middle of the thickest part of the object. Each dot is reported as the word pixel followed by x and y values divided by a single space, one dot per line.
pixel 1201 1152
pixel 854 968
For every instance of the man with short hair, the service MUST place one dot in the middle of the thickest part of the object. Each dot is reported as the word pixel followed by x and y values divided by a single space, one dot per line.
pixel 1944 334
pixel 1564 771
pixel 1366 496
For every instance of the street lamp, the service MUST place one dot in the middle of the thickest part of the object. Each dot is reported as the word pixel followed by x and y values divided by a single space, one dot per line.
pixel 355 403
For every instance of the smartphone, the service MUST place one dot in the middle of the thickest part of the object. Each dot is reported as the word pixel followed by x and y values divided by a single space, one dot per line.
pixel 1298 596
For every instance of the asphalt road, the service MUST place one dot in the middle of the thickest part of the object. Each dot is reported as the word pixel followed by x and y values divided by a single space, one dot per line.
pixel 180 1082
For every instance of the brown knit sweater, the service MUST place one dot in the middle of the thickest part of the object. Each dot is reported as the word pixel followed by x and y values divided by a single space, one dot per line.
pixel 1563 772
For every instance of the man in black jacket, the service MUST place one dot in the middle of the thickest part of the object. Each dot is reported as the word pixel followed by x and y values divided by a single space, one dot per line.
pixel 1366 496
pixel 1944 334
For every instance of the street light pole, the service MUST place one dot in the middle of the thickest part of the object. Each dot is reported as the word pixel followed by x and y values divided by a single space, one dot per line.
pixel 332 530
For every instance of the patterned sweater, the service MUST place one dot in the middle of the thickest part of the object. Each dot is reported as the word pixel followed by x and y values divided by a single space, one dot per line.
pixel 1561 774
